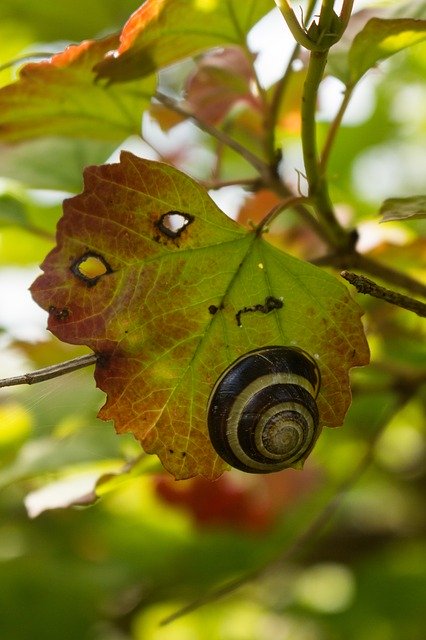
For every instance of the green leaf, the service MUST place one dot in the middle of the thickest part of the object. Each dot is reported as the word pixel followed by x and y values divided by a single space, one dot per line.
pixel 380 39
pixel 162 32
pixel 66 20
pixel 12 211
pixel 53 162
pixel 167 290
pixel 403 208
pixel 61 97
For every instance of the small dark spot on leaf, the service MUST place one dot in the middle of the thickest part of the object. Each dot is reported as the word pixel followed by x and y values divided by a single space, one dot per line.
pixel 102 359
pixel 173 223
pixel 183 454
pixel 171 451
pixel 213 309
pixel 90 267
pixel 59 314
pixel 269 305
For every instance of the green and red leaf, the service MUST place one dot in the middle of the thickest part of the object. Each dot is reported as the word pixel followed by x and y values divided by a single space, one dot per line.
pixel 167 308
pixel 61 96
pixel 162 32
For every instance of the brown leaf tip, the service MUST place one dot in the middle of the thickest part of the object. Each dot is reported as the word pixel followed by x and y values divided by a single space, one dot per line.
pixel 90 267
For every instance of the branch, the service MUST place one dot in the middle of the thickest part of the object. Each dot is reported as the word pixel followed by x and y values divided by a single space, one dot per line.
pixel 372 267
pixel 368 287
pixel 318 189
pixel 279 91
pixel 250 157
pixel 53 371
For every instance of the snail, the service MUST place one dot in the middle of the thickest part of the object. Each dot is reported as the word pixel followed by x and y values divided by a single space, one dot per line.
pixel 262 414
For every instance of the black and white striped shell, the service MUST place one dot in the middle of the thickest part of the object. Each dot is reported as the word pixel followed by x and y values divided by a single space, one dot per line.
pixel 262 413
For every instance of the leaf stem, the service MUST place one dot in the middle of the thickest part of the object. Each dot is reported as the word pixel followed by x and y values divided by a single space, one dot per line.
pixel 288 203
pixel 368 287
pixel 54 371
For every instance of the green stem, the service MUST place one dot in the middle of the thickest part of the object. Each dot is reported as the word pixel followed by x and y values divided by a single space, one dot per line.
pixel 334 128
pixel 318 188
pixel 299 34
pixel 279 92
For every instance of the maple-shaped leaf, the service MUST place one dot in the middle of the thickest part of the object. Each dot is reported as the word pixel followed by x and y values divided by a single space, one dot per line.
pixel 162 32
pixel 61 96
pixel 166 289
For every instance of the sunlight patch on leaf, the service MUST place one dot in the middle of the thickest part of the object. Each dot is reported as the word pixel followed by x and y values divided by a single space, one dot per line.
pixel 380 39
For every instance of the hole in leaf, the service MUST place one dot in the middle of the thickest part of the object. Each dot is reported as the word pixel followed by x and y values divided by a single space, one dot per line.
pixel 173 223
pixel 90 267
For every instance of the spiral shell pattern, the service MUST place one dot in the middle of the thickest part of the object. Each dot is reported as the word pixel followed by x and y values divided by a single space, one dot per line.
pixel 262 413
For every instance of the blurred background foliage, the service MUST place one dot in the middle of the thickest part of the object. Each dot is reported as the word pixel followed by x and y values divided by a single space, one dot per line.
pixel 136 546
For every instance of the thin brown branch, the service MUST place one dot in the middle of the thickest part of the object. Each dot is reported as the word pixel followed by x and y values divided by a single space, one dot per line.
pixel 355 260
pixel 54 371
pixel 250 157
pixel 368 287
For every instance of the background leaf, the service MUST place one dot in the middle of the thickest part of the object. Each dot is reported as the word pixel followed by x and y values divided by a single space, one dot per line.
pixel 61 97
pixel 161 32
pixel 380 39
pixel 403 208
pixel 164 314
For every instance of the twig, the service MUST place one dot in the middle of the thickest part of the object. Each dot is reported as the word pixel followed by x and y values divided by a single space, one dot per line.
pixel 54 371
pixel 250 157
pixel 368 287
pixel 356 260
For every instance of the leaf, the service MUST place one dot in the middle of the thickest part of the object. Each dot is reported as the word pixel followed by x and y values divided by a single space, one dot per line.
pixel 222 79
pixel 403 208
pixel 380 39
pixel 162 32
pixel 60 96
pixel 161 307
pixel 12 211
pixel 52 163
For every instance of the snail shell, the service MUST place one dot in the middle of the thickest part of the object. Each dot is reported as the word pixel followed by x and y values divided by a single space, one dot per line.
pixel 262 414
